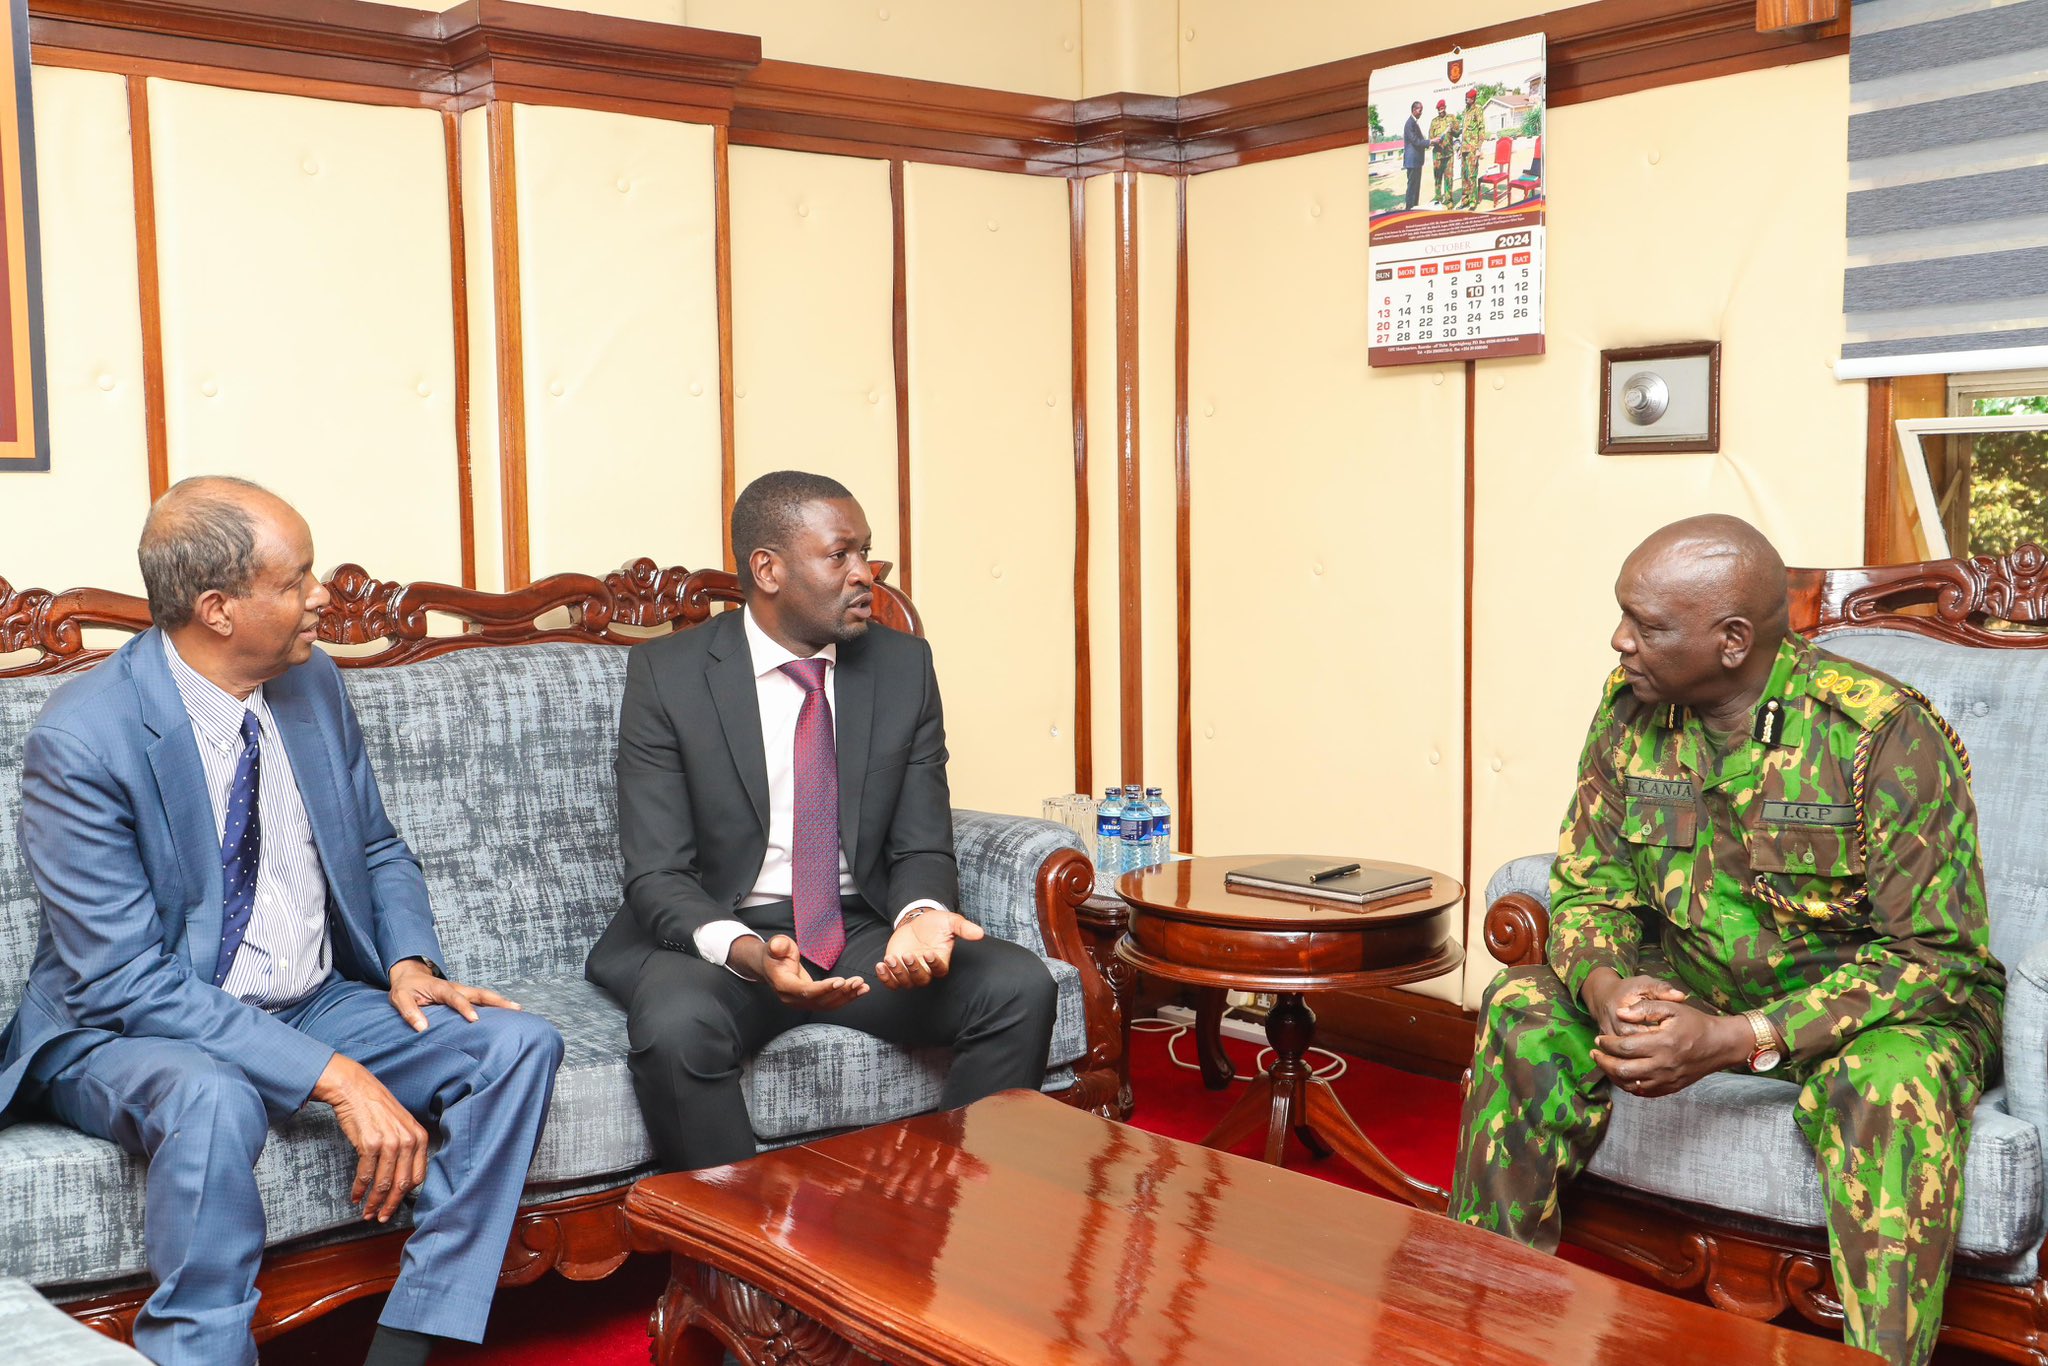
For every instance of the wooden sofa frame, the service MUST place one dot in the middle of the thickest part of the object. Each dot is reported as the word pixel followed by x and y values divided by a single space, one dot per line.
pixel 1762 1275
pixel 583 1237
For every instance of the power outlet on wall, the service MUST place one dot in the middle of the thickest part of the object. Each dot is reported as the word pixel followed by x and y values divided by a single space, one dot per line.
pixel 1231 1028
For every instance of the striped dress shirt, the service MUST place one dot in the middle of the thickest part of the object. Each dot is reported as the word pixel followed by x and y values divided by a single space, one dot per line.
pixel 285 954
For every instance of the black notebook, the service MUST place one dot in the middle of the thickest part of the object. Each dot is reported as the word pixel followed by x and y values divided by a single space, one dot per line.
pixel 1289 878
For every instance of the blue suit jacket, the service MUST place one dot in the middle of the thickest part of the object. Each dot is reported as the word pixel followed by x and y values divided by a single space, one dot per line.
pixel 1414 145
pixel 119 835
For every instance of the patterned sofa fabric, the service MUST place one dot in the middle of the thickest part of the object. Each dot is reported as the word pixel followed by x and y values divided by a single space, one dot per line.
pixel 1730 1145
pixel 496 766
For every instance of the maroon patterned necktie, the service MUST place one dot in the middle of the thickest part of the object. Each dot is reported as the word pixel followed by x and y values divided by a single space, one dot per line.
pixel 814 847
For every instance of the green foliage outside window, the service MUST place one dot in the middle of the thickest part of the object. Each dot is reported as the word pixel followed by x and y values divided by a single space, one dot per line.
pixel 2008 480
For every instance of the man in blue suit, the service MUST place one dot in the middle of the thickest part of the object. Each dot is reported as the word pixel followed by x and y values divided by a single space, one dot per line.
pixel 231 927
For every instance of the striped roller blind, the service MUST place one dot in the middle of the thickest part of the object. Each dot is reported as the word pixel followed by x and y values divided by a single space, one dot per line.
pixel 1948 187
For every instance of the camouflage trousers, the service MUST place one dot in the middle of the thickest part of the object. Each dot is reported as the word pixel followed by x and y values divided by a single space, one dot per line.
pixel 1888 1117
pixel 1444 192
pixel 1468 177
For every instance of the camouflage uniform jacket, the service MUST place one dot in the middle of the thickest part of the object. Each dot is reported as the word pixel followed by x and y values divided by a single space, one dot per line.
pixel 1764 885
pixel 1440 129
pixel 1472 129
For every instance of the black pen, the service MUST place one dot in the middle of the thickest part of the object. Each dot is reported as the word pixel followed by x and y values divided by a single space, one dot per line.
pixel 1339 871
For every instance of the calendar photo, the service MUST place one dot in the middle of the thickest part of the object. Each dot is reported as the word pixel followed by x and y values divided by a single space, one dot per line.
pixel 1455 171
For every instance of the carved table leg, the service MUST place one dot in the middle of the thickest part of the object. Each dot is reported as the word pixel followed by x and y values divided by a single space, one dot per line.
pixel 705 1312
pixel 1217 1071
pixel 1290 1096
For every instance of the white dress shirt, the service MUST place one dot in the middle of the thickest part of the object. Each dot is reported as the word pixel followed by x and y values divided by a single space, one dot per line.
pixel 285 953
pixel 781 698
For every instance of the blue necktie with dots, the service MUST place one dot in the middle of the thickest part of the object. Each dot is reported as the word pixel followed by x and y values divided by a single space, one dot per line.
pixel 241 843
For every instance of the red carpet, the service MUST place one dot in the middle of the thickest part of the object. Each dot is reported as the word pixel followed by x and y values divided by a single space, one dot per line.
pixel 556 1322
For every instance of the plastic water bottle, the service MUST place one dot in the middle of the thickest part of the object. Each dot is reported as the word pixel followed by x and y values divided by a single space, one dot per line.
pixel 1162 826
pixel 1109 833
pixel 1137 827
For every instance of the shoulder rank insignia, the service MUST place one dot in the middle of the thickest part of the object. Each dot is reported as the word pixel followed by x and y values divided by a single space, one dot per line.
pixel 1770 722
pixel 1862 698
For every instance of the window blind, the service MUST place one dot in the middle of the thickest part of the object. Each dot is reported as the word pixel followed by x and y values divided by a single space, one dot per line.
pixel 1948 188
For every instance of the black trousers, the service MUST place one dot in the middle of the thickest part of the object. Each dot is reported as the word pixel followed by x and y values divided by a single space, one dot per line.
pixel 691 1026
pixel 1414 185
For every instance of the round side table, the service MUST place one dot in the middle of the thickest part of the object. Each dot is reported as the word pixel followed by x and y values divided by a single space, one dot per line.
pixel 1188 926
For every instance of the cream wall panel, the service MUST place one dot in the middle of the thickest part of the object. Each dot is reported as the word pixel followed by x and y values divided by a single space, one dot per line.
pixel 486 477
pixel 1225 41
pixel 1105 587
pixel 1327 536
pixel 813 327
pixel 619 304
pixel 1129 45
pixel 309 339
pixel 992 474
pixel 1027 45
pixel 75 525
pixel 1158 252
pixel 1632 262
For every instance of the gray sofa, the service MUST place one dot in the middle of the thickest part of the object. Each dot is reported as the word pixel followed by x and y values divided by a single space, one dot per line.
pixel 495 765
pixel 1727 1152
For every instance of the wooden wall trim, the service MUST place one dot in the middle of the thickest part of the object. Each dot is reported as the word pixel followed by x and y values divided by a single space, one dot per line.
pixel 899 345
pixel 1130 569
pixel 1084 670
pixel 856 113
pixel 511 346
pixel 479 50
pixel 156 425
pixel 721 200
pixel 1183 539
pixel 486 50
pixel 1880 489
pixel 1471 557
pixel 458 273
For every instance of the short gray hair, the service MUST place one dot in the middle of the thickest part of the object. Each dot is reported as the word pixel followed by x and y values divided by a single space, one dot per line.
pixel 197 536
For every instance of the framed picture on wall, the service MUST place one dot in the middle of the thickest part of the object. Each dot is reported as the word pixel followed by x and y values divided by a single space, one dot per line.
pixel 24 407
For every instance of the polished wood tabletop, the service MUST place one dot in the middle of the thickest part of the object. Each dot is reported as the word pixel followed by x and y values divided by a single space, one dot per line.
pixel 1023 1231
pixel 1189 925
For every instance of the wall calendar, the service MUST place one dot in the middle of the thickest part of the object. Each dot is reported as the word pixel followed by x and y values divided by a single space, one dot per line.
pixel 1455 170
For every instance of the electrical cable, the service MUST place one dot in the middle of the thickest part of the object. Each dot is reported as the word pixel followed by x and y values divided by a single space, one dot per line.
pixel 1336 1067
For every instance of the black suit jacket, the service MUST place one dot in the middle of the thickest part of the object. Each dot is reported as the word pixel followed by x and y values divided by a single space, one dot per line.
pixel 693 786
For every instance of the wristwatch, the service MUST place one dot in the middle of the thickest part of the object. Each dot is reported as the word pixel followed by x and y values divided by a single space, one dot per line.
pixel 1767 1054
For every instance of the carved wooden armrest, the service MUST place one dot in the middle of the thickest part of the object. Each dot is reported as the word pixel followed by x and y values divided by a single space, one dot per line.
pixel 1065 880
pixel 1517 929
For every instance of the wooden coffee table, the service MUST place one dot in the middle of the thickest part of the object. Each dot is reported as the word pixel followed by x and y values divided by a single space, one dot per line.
pixel 1187 925
pixel 1022 1231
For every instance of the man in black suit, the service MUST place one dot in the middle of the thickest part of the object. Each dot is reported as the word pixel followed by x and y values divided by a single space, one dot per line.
pixel 785 822
pixel 1414 149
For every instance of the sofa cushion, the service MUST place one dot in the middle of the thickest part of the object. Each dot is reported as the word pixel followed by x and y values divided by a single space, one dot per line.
pixel 1998 702
pixel 32 1329
pixel 21 701
pixel 496 767
pixel 1729 1142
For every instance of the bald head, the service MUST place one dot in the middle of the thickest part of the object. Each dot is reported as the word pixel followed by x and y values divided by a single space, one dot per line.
pixel 1703 608
pixel 205 533
pixel 1724 563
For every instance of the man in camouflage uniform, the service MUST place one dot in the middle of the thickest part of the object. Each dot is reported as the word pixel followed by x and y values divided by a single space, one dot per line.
pixel 1771 853
pixel 1471 133
pixel 1440 130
